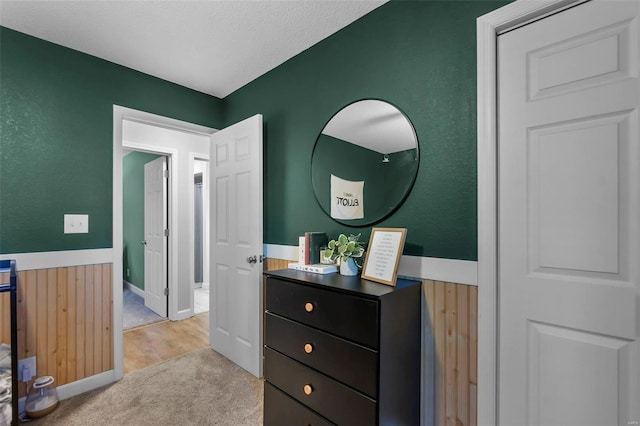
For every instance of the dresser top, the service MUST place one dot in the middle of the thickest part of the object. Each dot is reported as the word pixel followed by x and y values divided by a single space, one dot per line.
pixel 343 283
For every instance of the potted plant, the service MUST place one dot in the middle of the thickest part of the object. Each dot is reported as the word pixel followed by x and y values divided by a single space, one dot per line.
pixel 346 249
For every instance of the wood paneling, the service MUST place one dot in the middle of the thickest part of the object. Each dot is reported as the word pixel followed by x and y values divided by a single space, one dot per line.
pixel 452 314
pixel 64 319
pixel 473 353
pixel 271 264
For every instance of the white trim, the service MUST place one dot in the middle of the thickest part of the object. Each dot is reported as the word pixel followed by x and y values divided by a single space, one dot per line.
pixel 434 268
pixel 77 387
pixel 161 121
pixel 134 289
pixel 60 259
pixel 427 268
pixel 276 251
pixel 523 12
pixel 488 27
pixel 184 314
pixel 119 114
pixel 118 345
pixel 85 385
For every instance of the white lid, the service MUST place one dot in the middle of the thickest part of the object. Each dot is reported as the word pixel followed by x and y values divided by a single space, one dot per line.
pixel 43 381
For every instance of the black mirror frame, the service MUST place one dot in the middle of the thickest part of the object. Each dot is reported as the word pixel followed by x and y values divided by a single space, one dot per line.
pixel 409 187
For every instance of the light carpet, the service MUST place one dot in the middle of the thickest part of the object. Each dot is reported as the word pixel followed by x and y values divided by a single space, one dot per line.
pixel 199 388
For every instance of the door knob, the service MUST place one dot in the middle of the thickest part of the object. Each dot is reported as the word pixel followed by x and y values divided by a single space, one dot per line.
pixel 307 389
pixel 144 242
pixel 252 259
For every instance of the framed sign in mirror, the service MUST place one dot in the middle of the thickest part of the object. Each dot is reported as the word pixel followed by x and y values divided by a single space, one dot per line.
pixel 364 162
pixel 383 255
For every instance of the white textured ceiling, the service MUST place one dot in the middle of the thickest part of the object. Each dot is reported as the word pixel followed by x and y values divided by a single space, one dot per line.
pixel 211 46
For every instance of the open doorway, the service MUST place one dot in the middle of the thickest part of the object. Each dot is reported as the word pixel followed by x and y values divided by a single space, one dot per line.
pixel 182 148
pixel 180 143
pixel 240 146
pixel 144 254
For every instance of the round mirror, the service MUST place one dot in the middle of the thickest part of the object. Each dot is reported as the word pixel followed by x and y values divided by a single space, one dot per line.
pixel 364 162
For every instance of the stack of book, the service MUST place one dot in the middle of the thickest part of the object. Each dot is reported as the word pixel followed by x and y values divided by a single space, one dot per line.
pixel 316 269
pixel 309 254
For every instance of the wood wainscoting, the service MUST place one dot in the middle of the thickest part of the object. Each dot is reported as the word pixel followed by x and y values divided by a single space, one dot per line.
pixel 64 319
pixel 275 264
pixel 453 319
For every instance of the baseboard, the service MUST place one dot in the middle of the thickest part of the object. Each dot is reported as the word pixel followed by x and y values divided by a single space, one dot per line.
pixel 426 268
pixel 184 314
pixel 79 386
pixel 87 384
pixel 134 289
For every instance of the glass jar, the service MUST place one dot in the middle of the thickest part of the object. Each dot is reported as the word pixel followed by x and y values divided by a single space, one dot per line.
pixel 42 398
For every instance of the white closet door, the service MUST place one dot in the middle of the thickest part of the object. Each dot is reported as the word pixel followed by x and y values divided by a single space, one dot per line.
pixel 569 219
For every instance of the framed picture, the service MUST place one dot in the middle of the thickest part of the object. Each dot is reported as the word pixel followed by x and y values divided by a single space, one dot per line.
pixel 383 255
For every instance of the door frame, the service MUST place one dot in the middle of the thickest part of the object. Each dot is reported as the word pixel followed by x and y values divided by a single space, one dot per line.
pixel 119 115
pixel 489 26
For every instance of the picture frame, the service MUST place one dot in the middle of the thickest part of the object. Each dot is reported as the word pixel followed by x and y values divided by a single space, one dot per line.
pixel 383 255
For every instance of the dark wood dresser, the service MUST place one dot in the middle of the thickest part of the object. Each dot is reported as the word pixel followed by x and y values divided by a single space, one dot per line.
pixel 341 350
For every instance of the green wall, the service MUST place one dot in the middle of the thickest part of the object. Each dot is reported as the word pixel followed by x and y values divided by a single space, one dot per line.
pixel 421 57
pixel 56 127
pixel 133 216
pixel 56 138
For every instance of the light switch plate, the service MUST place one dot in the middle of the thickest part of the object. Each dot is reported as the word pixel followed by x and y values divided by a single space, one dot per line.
pixel 26 368
pixel 76 223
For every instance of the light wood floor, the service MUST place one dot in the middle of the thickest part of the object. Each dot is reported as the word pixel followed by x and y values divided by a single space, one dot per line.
pixel 154 343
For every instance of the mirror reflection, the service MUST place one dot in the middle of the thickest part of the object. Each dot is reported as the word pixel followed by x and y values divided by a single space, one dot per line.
pixel 364 162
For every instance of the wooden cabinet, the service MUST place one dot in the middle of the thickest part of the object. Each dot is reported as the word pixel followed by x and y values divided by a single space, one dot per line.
pixel 341 350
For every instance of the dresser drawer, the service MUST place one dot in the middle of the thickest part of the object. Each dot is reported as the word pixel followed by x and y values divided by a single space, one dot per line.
pixel 347 362
pixel 351 317
pixel 331 399
pixel 282 410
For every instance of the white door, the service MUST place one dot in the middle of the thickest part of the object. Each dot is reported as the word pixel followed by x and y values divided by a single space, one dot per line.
pixel 235 171
pixel 569 219
pixel 155 241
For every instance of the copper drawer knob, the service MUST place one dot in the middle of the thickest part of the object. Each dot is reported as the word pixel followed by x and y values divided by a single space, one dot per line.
pixel 308 307
pixel 308 389
pixel 308 348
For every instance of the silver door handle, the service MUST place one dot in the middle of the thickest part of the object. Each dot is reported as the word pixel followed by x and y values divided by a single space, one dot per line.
pixel 252 259
pixel 144 242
